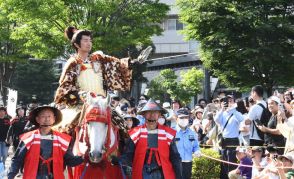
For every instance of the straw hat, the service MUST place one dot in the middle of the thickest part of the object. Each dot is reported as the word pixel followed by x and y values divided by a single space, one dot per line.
pixel 151 105
pixel 36 111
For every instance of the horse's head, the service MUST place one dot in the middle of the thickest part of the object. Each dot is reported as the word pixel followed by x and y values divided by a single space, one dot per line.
pixel 97 131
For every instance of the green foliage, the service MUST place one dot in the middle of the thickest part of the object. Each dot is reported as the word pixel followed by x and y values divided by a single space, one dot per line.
pixel 34 28
pixel 156 90
pixel 206 168
pixel 188 86
pixel 115 24
pixel 35 77
pixel 9 52
pixel 244 43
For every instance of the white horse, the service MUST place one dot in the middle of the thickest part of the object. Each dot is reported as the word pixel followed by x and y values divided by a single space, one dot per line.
pixel 96 139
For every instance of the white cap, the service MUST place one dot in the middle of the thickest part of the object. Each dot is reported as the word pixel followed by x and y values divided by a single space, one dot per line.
pixel 166 105
pixel 275 98
pixel 241 149
pixel 287 156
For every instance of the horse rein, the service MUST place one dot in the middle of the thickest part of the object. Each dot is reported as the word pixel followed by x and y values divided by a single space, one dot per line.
pixel 96 116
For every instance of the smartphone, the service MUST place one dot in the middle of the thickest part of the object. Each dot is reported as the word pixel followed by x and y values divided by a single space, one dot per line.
pixel 291 96
pixel 257 122
pixel 281 108
pixel 275 157
pixel 225 100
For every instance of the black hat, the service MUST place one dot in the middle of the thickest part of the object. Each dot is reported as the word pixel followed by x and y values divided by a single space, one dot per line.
pixel 183 112
pixel 18 107
pixel 35 112
pixel 271 149
pixel 3 108
pixel 135 120
pixel 151 105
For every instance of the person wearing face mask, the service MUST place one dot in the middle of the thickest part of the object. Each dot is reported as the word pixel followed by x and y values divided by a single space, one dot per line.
pixel 186 141
pixel 161 120
pixel 151 149
pixel 131 121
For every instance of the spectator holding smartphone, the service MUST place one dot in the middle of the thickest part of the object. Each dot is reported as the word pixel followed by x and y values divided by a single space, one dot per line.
pixel 285 166
pixel 272 134
pixel 228 119
pixel 286 127
pixel 270 172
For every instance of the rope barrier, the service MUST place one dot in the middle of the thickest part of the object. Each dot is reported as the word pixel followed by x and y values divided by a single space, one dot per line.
pixel 238 164
pixel 231 146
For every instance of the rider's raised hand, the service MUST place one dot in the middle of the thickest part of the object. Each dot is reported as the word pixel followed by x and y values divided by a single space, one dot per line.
pixel 143 56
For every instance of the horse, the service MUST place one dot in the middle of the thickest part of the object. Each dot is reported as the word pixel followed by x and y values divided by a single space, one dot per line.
pixel 97 138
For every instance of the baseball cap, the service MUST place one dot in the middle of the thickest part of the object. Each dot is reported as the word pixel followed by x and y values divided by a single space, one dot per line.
pixel 257 148
pixel 166 105
pixel 183 112
pixel 275 98
pixel 287 156
pixel 241 149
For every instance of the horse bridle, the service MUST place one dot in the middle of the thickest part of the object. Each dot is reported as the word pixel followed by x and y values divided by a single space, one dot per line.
pixel 97 115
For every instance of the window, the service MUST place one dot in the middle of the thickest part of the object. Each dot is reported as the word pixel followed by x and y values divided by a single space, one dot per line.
pixel 173 24
pixel 179 25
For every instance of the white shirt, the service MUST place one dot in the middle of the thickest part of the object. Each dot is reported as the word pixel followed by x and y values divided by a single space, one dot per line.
pixel 287 130
pixel 242 124
pixel 255 170
pixel 255 113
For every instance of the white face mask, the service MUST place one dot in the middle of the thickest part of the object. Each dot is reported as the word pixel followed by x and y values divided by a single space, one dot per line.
pixel 183 122
pixel 161 121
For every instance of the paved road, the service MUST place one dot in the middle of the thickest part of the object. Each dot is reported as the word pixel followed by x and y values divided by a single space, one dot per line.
pixel 8 162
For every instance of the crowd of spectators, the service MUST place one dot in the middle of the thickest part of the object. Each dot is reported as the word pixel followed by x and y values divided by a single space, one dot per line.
pixel 256 131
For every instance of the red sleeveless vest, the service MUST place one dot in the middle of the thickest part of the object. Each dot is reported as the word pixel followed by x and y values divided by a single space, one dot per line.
pixel 139 137
pixel 32 141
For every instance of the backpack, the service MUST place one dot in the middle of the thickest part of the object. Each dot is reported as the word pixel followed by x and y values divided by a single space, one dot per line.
pixel 264 118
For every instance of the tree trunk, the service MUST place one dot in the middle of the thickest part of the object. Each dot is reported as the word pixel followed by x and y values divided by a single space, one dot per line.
pixel 268 89
pixel 7 69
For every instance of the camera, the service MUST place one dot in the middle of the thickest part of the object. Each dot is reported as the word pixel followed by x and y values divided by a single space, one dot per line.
pixel 225 101
pixel 275 157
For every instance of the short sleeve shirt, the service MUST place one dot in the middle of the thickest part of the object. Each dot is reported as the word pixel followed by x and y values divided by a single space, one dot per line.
pixel 245 171
pixel 255 113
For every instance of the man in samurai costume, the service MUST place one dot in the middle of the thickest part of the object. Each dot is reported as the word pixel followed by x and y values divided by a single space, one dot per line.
pixel 151 150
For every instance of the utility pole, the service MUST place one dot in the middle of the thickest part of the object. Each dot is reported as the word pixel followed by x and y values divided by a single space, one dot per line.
pixel 207 89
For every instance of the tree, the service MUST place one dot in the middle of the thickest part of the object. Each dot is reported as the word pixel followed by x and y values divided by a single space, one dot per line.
pixel 244 43
pixel 156 90
pixel 188 86
pixel 35 28
pixel 115 24
pixel 10 52
pixel 35 77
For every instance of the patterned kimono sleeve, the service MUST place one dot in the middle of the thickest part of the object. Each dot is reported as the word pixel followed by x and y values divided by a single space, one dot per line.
pixel 67 92
pixel 117 73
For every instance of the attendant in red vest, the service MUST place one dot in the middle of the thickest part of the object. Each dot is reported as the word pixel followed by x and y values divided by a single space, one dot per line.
pixel 151 150
pixel 44 152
